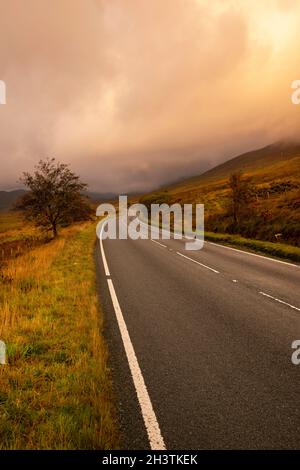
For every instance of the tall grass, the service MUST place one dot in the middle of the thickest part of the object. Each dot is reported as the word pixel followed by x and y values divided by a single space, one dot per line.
pixel 55 392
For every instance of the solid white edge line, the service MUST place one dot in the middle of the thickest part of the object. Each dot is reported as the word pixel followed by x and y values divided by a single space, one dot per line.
pixel 280 301
pixel 252 254
pixel 197 262
pixel 107 273
pixel 155 438
pixel 158 243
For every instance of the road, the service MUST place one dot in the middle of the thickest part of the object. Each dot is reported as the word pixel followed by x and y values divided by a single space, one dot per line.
pixel 200 345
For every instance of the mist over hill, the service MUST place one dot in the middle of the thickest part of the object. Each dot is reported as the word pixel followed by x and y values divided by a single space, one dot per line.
pixel 282 157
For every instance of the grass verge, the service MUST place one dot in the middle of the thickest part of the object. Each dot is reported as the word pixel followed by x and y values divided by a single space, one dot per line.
pixel 56 390
pixel 17 236
pixel 278 250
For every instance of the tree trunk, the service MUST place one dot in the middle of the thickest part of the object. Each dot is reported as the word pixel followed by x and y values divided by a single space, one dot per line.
pixel 54 230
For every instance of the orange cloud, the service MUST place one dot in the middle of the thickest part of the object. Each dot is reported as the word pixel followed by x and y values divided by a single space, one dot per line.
pixel 137 93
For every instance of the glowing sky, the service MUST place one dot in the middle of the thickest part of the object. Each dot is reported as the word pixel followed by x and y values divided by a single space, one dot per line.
pixel 136 93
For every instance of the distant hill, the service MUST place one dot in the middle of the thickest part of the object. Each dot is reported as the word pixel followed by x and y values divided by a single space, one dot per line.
pixel 98 197
pixel 8 198
pixel 274 174
pixel 282 159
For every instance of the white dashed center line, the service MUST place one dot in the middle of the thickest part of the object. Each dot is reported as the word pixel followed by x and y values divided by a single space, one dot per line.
pixel 158 243
pixel 197 262
pixel 280 301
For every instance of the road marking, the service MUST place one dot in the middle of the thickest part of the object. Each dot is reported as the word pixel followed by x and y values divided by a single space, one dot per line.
pixel 239 251
pixel 107 273
pixel 280 301
pixel 158 243
pixel 152 426
pixel 197 262
pixel 253 254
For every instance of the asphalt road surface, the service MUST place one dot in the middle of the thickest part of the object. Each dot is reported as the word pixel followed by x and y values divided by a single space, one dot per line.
pixel 200 345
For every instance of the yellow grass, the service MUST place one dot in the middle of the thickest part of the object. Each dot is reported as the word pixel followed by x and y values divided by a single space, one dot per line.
pixel 56 389
pixel 13 227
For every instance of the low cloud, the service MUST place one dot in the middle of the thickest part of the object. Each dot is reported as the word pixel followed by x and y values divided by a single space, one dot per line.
pixel 135 94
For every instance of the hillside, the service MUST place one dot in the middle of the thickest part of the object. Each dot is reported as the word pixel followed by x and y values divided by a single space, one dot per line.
pixel 274 175
pixel 9 198
pixel 283 161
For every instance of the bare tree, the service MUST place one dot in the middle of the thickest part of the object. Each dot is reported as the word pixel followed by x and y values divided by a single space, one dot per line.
pixel 55 196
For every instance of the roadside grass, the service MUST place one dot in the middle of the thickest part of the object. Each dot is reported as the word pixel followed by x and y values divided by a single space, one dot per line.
pixel 56 389
pixel 17 236
pixel 10 221
pixel 278 250
pixel 13 227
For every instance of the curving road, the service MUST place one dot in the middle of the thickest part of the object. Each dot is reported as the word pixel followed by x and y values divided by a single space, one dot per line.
pixel 200 345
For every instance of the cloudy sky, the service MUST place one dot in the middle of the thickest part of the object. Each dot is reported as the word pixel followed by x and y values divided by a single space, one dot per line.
pixel 136 93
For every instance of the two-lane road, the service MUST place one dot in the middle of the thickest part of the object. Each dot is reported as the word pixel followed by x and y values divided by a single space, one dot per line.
pixel 211 332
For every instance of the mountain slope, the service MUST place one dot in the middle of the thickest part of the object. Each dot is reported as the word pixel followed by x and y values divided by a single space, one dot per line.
pixel 283 161
pixel 273 173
